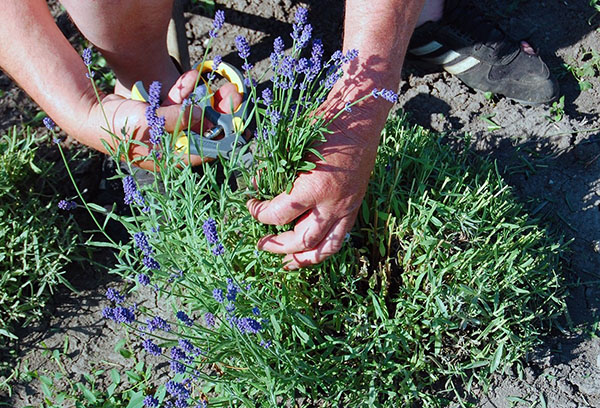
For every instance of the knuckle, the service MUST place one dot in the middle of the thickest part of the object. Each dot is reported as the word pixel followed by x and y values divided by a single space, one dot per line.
pixel 311 241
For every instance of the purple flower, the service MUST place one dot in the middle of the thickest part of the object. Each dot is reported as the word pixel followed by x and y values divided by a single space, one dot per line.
pixel 277 52
pixel 285 72
pixel 248 325
pixel 386 94
pixel 108 313
pixel 316 56
pixel 255 311
pixel 217 23
pixel 232 290
pixel 114 296
pixel 218 250
pixel 122 314
pixel 265 344
pixel 267 96
pixel 210 231
pixel 300 18
pixel 331 79
pixel 185 319
pixel 305 37
pixel 209 318
pixel 218 295
pixel 177 367
pixel 143 279
pixel 132 194
pixel 178 354
pixel 150 401
pixel 177 390
pixel 242 46
pixel 154 94
pixel 141 241
pixel 157 323
pixel 151 348
pixel 49 123
pixel 87 56
pixel 217 61
pixel 186 346
pixel 303 66
pixel 67 205
pixel 246 66
pixel 150 263
pixel 350 55
pixel 156 123
pixel 181 403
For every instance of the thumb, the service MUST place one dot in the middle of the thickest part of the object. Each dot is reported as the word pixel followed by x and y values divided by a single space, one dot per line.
pixel 182 88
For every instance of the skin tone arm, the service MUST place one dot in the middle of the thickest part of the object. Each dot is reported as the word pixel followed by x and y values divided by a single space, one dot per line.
pixel 325 201
pixel 39 58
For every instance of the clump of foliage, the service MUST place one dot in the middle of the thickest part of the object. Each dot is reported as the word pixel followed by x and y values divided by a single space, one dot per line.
pixel 444 278
pixel 586 68
pixel 35 240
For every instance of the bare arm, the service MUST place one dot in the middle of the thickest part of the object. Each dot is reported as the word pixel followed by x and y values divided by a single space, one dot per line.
pixel 39 58
pixel 326 200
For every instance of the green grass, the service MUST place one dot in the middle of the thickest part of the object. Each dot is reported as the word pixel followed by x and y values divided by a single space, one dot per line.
pixel 587 67
pixel 36 241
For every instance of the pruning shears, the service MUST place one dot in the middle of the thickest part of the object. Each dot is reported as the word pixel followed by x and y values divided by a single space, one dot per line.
pixel 227 125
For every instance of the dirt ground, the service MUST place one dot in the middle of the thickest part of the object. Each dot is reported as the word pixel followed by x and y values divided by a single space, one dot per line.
pixel 554 169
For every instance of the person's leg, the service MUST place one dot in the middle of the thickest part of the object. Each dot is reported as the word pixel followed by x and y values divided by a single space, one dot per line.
pixel 432 11
pixel 458 37
pixel 131 35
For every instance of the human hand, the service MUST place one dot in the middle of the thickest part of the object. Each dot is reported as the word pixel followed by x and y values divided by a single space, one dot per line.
pixel 326 200
pixel 124 113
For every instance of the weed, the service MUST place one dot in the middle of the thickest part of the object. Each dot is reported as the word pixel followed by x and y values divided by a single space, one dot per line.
pixel 492 124
pixel 557 110
pixel 587 67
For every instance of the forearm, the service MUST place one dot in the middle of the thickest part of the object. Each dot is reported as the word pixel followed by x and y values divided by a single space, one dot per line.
pixel 380 33
pixel 40 59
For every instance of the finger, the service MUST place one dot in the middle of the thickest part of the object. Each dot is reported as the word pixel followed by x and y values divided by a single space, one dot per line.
pixel 227 98
pixel 172 114
pixel 308 233
pixel 182 88
pixel 281 210
pixel 330 245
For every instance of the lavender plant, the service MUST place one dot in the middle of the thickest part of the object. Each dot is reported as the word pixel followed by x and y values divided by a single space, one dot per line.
pixel 369 327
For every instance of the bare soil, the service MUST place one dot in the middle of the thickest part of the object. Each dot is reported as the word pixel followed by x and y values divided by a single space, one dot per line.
pixel 554 169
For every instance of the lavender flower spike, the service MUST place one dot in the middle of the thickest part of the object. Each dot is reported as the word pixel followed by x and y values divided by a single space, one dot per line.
pixel 151 402
pixel 141 241
pixel 242 46
pixel 67 205
pixel 217 23
pixel 210 231
pixel 87 56
pixel 386 94
pixel 49 123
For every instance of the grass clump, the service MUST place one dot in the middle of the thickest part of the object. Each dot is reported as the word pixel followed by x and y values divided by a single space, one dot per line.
pixel 444 280
pixel 35 240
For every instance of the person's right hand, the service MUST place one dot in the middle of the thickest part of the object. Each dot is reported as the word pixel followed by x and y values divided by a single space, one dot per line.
pixel 123 113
